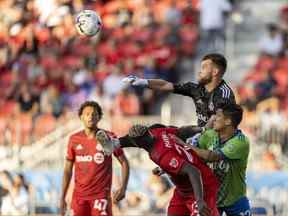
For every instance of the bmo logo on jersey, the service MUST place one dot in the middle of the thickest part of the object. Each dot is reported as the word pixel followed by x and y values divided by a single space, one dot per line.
pixel 84 158
pixel 98 158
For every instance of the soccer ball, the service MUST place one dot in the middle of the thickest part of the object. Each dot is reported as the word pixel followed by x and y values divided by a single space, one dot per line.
pixel 88 23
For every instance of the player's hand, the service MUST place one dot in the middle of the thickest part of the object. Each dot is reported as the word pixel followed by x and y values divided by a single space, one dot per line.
pixel 210 122
pixel 157 171
pixel 203 209
pixel 63 207
pixel 135 81
pixel 118 195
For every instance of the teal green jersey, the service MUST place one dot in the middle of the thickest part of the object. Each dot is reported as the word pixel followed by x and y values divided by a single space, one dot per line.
pixel 231 171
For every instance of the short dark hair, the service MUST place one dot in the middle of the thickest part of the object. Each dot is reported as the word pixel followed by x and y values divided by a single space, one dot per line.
pixel 93 104
pixel 218 59
pixel 233 111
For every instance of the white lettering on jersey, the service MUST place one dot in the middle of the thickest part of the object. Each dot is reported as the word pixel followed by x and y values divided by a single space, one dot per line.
pixel 84 158
pixel 166 141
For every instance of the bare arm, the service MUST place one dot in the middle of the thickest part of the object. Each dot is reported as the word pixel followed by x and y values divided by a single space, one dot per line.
pixel 161 85
pixel 68 169
pixel 208 155
pixel 196 182
pixel 125 171
pixel 186 132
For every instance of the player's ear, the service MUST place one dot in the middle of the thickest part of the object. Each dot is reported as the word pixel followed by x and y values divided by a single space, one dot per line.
pixel 216 71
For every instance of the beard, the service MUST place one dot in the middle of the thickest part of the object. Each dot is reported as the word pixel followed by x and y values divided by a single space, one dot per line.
pixel 204 80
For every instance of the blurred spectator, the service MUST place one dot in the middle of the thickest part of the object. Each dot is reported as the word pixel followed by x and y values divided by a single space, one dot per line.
pixel 136 204
pixel 126 103
pixel 212 24
pixel 16 202
pixel 112 85
pixel 51 97
pixel 162 191
pixel 28 102
pixel 173 14
pixel 272 42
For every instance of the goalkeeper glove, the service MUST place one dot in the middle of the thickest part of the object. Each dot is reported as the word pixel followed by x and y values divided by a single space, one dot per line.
pixel 135 81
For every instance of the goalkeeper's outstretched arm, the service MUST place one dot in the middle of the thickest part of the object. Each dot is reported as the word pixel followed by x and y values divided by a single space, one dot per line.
pixel 155 84
pixel 161 85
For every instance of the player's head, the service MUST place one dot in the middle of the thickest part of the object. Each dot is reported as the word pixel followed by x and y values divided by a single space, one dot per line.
pixel 213 65
pixel 141 136
pixel 90 114
pixel 228 115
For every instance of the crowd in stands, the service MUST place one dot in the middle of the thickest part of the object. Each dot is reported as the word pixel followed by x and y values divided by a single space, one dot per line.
pixel 263 92
pixel 47 69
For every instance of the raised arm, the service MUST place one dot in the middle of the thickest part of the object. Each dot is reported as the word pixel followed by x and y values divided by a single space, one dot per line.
pixel 155 84
pixel 161 85
pixel 186 132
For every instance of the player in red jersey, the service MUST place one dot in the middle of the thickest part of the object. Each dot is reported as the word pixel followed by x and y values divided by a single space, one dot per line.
pixel 92 168
pixel 196 186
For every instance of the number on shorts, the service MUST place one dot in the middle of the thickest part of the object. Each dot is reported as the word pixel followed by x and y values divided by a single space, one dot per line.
pixel 246 213
pixel 101 205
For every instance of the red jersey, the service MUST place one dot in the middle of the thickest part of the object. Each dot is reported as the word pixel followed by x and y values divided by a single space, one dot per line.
pixel 92 168
pixel 170 155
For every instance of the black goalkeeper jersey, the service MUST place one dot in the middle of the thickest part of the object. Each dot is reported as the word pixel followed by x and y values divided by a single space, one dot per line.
pixel 206 102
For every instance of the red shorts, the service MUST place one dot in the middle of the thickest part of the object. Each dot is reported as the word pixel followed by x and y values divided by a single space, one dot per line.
pixel 180 205
pixel 95 207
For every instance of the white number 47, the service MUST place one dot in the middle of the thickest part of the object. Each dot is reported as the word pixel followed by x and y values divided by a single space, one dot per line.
pixel 101 205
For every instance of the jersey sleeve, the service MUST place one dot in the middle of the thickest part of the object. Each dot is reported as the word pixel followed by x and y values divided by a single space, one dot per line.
pixel 171 162
pixel 70 154
pixel 186 89
pixel 206 138
pixel 236 149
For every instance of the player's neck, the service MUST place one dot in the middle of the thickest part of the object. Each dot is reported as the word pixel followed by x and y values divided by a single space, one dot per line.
pixel 213 84
pixel 226 134
pixel 90 133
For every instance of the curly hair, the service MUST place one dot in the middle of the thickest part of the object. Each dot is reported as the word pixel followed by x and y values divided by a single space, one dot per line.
pixel 93 104
pixel 138 130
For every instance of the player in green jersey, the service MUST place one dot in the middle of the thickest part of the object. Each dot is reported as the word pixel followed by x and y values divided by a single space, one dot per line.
pixel 226 149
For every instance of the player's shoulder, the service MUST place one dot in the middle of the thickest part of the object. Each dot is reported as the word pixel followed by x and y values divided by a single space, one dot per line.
pixel 224 91
pixel 77 134
pixel 239 138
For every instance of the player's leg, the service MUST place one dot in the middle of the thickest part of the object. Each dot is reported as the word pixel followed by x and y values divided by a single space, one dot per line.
pixel 101 207
pixel 80 207
pixel 239 208
pixel 177 206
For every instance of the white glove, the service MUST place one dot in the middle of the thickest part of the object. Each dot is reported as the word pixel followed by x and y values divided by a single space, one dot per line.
pixel 193 141
pixel 135 81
